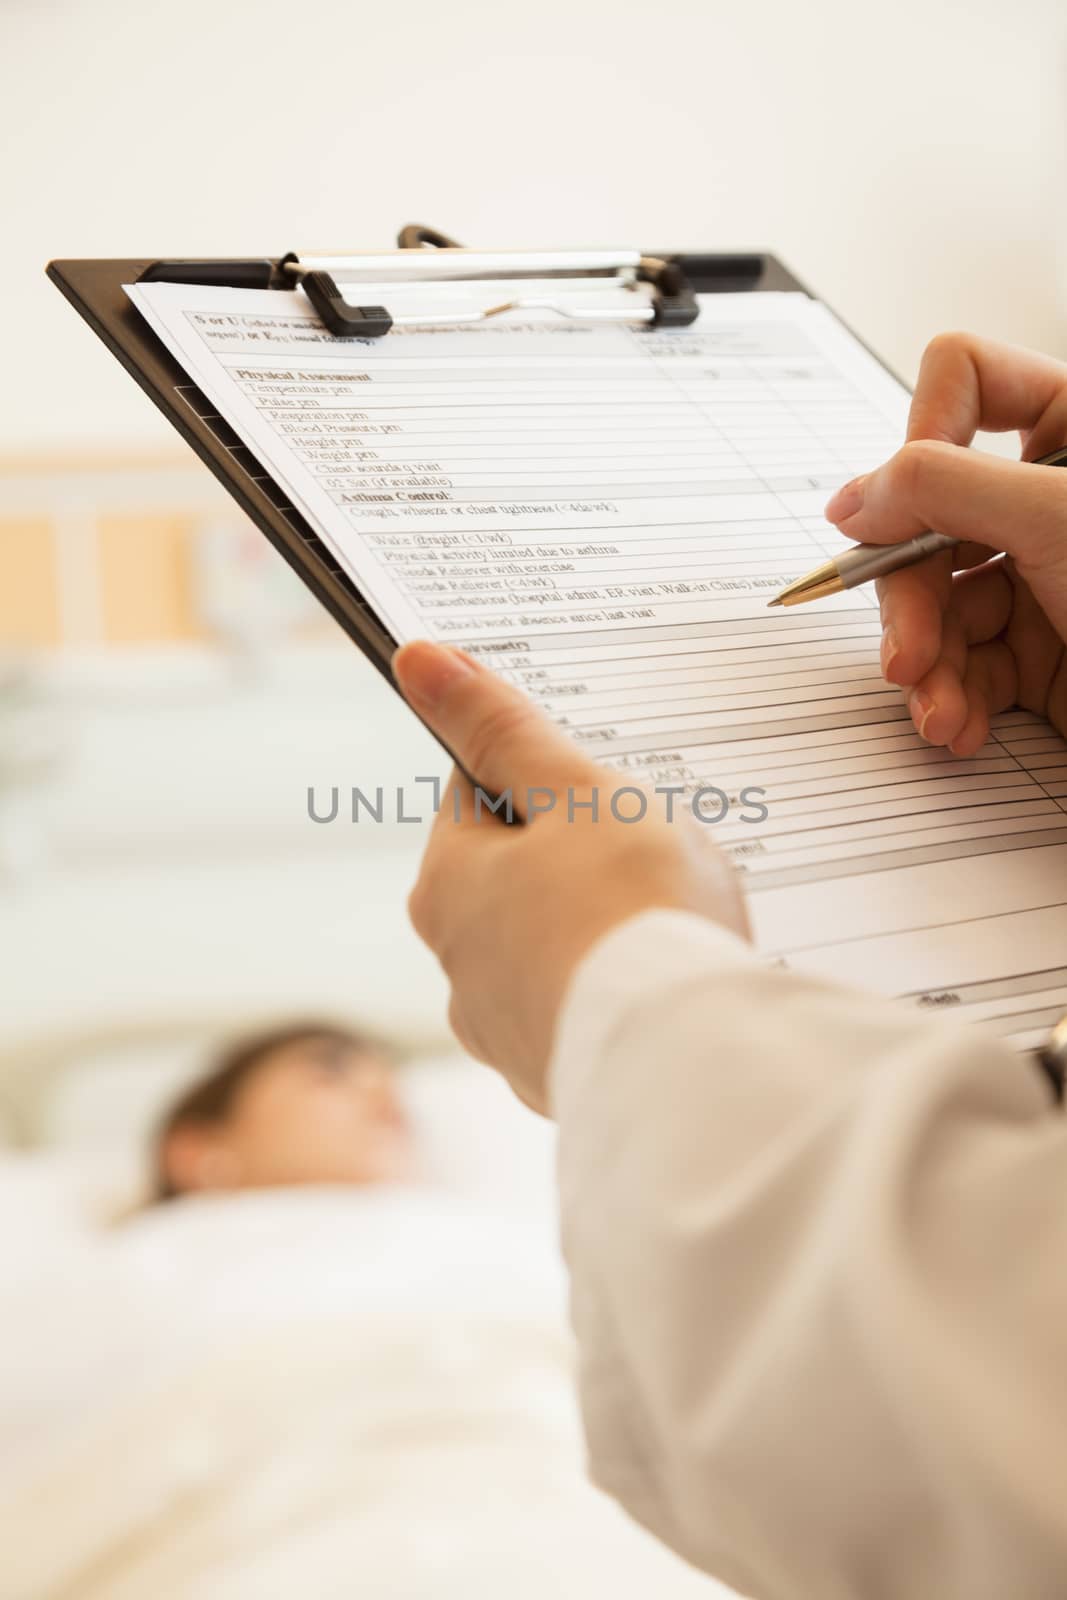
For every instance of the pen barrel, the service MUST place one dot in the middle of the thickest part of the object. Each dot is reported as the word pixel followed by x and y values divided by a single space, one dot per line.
pixel 869 561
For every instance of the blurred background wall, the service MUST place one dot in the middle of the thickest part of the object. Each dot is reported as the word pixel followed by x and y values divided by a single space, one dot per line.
pixel 167 692
pixel 907 159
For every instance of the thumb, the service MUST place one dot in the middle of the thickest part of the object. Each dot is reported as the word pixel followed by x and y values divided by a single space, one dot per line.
pixel 494 731
pixel 1008 505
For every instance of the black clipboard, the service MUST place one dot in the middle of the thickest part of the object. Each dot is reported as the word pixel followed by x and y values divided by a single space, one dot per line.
pixel 95 290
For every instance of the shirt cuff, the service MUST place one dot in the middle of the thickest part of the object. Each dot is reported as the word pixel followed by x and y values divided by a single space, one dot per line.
pixel 634 962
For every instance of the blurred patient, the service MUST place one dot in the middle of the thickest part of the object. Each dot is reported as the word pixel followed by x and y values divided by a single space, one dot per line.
pixel 332 1370
pixel 305 1104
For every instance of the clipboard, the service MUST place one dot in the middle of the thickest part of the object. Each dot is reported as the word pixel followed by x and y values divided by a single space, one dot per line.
pixel 95 290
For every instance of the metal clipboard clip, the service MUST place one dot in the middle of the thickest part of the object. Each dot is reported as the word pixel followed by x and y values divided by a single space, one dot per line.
pixel 568 283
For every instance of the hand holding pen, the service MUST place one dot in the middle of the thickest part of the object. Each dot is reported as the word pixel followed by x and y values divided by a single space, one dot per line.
pixel 980 624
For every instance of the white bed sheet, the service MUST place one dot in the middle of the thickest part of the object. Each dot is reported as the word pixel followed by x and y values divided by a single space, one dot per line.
pixel 318 1392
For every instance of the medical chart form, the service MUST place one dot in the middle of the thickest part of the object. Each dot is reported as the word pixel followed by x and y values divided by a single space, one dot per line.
pixel 601 514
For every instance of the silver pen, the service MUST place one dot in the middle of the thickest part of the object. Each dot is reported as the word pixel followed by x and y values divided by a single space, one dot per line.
pixel 865 562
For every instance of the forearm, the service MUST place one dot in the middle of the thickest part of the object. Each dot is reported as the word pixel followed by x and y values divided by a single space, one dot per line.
pixel 776 1201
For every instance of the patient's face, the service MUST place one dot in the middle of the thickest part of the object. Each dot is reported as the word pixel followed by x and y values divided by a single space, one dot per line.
pixel 314 1111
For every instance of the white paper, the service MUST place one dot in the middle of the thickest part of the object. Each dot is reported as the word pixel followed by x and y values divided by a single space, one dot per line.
pixel 601 513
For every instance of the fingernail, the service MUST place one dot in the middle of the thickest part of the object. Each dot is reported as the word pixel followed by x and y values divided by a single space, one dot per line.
pixel 426 672
pixel 921 707
pixel 847 501
pixel 890 650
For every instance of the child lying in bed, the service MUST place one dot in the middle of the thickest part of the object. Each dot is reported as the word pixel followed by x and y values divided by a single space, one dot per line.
pixel 311 1372
pixel 307 1104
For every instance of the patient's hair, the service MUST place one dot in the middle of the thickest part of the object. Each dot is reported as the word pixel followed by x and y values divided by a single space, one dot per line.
pixel 212 1098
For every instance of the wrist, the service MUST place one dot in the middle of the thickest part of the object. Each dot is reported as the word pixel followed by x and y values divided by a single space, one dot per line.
pixel 608 915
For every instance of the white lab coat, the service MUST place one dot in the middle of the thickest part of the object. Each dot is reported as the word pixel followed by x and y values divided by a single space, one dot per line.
pixel 818 1253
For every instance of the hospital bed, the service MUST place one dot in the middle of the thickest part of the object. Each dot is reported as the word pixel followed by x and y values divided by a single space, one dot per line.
pixel 318 1392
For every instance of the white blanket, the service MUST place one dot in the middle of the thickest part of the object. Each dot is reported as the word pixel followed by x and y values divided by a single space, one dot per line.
pixel 304 1394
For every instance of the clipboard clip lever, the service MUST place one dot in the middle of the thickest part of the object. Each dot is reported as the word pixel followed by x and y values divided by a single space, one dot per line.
pixel 338 315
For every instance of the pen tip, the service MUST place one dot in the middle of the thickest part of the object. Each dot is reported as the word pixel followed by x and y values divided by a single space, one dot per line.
pixel 775 602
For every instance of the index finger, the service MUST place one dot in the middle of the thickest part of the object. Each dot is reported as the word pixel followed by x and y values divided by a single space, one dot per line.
pixel 447 862
pixel 966 383
pixel 453 826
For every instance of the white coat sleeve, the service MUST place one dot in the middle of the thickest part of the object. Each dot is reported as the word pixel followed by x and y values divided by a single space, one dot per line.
pixel 818 1257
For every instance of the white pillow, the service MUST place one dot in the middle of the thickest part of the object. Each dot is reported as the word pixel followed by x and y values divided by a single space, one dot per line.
pixel 52 1203
pixel 111 1097
pixel 478 1140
